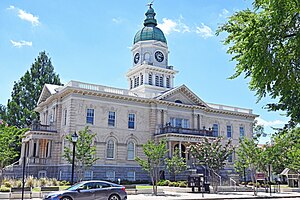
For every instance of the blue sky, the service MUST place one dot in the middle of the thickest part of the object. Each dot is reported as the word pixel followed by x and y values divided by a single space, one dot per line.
pixel 90 41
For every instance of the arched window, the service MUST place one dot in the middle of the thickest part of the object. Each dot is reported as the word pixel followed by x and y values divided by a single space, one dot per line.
pixel 110 149
pixel 130 151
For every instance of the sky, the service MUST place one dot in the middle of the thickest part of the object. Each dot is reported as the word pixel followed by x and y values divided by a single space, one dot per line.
pixel 91 41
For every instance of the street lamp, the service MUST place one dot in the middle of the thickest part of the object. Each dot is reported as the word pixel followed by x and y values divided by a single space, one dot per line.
pixel 74 140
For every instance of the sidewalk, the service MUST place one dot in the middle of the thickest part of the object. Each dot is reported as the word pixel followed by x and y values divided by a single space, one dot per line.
pixel 227 195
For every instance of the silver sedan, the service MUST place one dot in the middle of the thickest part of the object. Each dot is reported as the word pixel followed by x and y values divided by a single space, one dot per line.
pixel 90 190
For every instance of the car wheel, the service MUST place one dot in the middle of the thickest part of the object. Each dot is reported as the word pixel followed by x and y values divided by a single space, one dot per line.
pixel 114 197
pixel 66 198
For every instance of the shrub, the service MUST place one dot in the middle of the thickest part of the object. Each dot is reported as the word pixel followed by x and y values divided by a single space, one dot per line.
pixel 7 184
pixel 176 184
pixel 171 184
pixel 64 183
pixel 250 183
pixel 17 183
pixel 54 182
pixel 30 181
pixel 182 184
pixel 43 182
pixel 4 189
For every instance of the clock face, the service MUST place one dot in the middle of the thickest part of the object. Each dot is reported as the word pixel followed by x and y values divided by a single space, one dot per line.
pixel 136 58
pixel 159 56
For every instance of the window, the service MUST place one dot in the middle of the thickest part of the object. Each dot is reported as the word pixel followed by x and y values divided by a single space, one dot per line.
pixel 130 151
pixel 142 79
pixel 215 130
pixel 90 116
pixel 131 119
pixel 186 123
pixel 161 81
pixel 179 122
pixel 137 81
pixel 131 175
pixel 88 175
pixel 156 80
pixel 242 131
pixel 111 118
pixel 42 174
pixel 110 175
pixel 150 79
pixel 178 101
pixel 110 149
pixel 229 131
pixel 229 159
pixel 168 82
pixel 130 83
pixel 65 116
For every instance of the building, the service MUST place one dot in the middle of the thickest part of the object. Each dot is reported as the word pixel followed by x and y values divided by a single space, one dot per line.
pixel 124 119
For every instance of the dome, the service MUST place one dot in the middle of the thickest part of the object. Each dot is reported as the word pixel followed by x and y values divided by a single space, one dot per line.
pixel 150 31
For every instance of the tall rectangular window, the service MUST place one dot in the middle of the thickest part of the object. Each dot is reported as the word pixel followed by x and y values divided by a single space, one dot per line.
pixel 161 81
pixel 229 131
pixel 65 116
pixel 156 80
pixel 242 132
pixel 168 82
pixel 111 118
pixel 150 79
pixel 131 119
pixel 185 123
pixel 229 159
pixel 142 79
pixel 215 130
pixel 90 116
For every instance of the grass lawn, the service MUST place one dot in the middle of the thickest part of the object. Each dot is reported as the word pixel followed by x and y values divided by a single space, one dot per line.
pixel 38 189
pixel 144 186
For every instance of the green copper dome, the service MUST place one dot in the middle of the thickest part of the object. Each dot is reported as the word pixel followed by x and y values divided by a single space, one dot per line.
pixel 150 31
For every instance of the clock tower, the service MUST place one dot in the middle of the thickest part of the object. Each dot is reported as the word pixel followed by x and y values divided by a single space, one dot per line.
pixel 150 73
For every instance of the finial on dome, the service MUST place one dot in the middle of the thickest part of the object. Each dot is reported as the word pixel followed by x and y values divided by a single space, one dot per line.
pixel 150 14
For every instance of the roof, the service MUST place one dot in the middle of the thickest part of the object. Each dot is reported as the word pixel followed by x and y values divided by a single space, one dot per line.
pixel 150 31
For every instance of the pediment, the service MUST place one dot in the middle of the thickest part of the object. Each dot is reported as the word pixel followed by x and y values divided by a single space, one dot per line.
pixel 182 94
pixel 47 91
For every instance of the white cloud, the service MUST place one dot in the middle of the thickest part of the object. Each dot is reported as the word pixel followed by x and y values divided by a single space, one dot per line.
pixel 21 43
pixel 204 31
pixel 224 13
pixel 168 26
pixel 10 8
pixel 117 20
pixel 263 122
pixel 34 20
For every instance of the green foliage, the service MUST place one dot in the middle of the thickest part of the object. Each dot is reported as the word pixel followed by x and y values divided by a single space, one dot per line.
pixel 155 152
pixel 176 164
pixel 10 140
pixel 285 150
pixel 265 43
pixel 26 92
pixel 85 155
pixel 249 155
pixel 4 189
pixel 2 112
pixel 211 152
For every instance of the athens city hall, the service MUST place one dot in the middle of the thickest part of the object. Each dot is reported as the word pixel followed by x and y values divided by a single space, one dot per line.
pixel 125 119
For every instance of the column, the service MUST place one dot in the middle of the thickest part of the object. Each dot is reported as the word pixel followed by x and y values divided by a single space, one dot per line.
pixel 31 142
pixel 180 148
pixel 170 149
pixel 37 148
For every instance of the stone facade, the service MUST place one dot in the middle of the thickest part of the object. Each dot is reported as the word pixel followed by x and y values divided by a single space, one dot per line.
pixel 125 119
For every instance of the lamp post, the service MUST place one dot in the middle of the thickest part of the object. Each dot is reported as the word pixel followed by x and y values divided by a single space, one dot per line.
pixel 74 140
pixel 23 170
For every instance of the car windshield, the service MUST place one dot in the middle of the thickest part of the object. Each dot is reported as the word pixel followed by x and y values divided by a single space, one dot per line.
pixel 75 187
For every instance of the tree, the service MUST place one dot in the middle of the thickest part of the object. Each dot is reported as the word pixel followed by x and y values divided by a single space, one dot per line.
pixel 265 43
pixel 85 151
pixel 284 151
pixel 155 152
pixel 176 164
pixel 26 92
pixel 249 156
pixel 211 152
pixel 2 112
pixel 10 139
